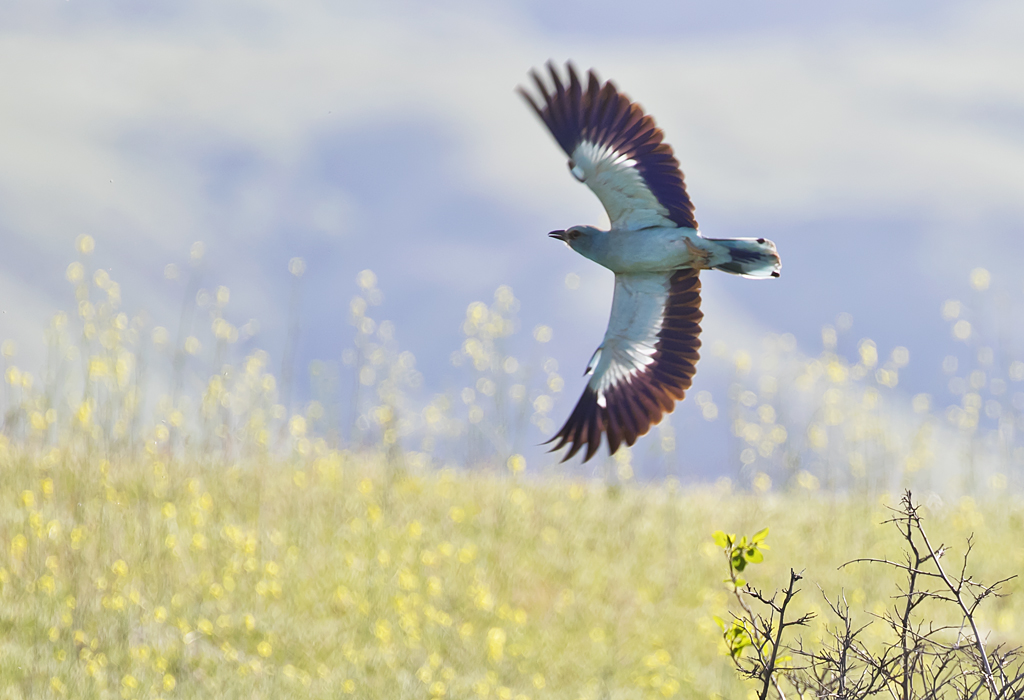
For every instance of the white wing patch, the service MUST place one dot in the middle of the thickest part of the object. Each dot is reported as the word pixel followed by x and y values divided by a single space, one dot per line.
pixel 614 178
pixel 638 310
pixel 645 364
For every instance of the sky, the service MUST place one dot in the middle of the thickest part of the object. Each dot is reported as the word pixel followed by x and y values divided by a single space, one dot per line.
pixel 880 145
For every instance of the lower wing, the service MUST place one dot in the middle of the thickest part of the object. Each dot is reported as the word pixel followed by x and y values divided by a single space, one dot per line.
pixel 644 365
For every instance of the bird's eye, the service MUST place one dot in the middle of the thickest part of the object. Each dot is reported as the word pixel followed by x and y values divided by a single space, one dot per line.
pixel 573 234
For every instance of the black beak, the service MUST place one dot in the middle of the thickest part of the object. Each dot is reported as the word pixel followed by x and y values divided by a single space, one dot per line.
pixel 560 235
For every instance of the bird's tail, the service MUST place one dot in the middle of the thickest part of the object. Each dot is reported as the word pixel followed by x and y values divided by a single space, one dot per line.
pixel 750 257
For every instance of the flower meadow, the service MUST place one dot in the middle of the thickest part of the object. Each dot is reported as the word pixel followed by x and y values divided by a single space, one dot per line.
pixel 172 527
pixel 321 576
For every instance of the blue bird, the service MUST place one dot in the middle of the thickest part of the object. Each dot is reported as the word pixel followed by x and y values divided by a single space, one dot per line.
pixel 649 354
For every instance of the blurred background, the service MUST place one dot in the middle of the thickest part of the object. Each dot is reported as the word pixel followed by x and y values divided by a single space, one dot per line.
pixel 281 330
pixel 244 170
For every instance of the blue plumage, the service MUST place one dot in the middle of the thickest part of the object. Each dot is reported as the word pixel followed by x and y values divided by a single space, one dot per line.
pixel 649 354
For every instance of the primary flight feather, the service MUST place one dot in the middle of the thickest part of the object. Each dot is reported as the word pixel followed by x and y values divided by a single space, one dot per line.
pixel 648 357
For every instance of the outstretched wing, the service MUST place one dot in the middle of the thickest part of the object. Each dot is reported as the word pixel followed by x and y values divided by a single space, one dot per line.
pixel 645 364
pixel 616 150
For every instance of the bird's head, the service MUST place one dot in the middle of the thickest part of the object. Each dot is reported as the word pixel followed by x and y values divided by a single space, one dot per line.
pixel 579 238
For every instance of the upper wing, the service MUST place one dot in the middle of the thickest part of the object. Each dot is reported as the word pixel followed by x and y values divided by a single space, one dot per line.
pixel 645 364
pixel 616 150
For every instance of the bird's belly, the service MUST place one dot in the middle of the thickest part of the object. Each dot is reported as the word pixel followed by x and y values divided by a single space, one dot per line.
pixel 649 250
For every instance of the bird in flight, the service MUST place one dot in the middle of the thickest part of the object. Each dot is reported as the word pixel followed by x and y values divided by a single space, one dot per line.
pixel 648 357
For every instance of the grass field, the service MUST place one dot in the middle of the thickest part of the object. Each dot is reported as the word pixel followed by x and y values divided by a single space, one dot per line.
pixel 171 525
pixel 332 575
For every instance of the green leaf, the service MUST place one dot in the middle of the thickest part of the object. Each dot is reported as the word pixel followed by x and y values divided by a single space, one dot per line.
pixel 719 621
pixel 737 638
pixel 754 556
pixel 741 582
pixel 759 536
pixel 721 539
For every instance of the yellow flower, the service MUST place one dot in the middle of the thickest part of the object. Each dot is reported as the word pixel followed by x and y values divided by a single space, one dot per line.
pixel 264 649
pixel 434 586
pixel 18 546
pixel 382 631
pixel 407 580
pixel 496 643
pixel 75 272
pixel 84 413
pixel 516 463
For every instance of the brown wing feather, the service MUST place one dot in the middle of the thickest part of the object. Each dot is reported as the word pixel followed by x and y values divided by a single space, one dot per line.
pixel 634 404
pixel 604 116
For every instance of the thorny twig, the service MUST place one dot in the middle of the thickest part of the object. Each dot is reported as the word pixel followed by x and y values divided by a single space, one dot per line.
pixel 919 664
pixel 768 670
